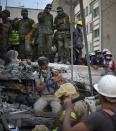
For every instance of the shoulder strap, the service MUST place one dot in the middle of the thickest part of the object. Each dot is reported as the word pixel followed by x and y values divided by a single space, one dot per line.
pixel 49 74
pixel 40 73
pixel 112 116
pixel 48 78
pixel 49 82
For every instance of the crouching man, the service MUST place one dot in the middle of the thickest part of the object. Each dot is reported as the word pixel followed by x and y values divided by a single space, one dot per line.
pixel 46 87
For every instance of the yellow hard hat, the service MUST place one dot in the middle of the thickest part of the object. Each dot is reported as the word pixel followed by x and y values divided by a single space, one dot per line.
pixel 79 22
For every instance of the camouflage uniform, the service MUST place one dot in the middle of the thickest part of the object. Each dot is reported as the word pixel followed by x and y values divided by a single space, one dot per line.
pixel 62 35
pixel 34 42
pixel 6 30
pixel 25 28
pixel 45 32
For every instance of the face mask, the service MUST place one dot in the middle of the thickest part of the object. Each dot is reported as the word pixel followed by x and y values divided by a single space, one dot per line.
pixel 108 58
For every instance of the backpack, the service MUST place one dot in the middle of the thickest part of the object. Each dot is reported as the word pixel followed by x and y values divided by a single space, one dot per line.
pixel 112 116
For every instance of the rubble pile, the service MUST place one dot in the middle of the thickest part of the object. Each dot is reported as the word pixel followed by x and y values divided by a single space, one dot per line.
pixel 16 102
pixel 80 72
pixel 16 71
pixel 26 71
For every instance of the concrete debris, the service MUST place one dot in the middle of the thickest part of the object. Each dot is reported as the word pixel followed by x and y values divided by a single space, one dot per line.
pixel 80 72
pixel 16 70
pixel 18 104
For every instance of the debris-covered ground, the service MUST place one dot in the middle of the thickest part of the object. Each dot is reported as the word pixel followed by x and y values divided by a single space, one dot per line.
pixel 18 93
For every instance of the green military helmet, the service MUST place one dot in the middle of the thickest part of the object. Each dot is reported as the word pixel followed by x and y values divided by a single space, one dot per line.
pixel 59 9
pixel 49 6
pixel 24 12
pixel 7 12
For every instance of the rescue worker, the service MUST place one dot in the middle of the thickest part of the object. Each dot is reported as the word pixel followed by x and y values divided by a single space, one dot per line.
pixel 67 89
pixel 8 16
pixel 46 87
pixel 98 60
pixel 45 32
pixel 109 64
pixel 104 51
pixel 3 50
pixel 15 38
pixel 25 32
pixel 78 42
pixel 6 30
pixel 104 120
pixel 62 35
pixel 92 57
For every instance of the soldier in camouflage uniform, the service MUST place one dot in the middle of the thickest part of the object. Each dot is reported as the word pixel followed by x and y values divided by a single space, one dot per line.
pixel 6 30
pixel 25 30
pixel 62 35
pixel 45 32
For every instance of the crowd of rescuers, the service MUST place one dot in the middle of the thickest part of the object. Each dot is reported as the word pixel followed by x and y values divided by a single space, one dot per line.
pixel 51 94
pixel 27 38
pixel 102 59
pixel 48 37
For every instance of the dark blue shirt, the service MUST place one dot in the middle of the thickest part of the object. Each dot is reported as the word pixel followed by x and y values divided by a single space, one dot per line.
pixel 97 61
pixel 99 121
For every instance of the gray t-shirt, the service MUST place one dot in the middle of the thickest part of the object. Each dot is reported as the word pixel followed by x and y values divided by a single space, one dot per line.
pixel 99 121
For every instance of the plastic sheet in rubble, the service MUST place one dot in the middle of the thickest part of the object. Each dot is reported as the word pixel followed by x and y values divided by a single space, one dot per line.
pixel 13 108
pixel 80 72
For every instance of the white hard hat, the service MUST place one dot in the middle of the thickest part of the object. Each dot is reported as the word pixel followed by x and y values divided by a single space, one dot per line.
pixel 107 86
pixel 105 50
pixel 92 53
pixel 108 53
pixel 53 49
